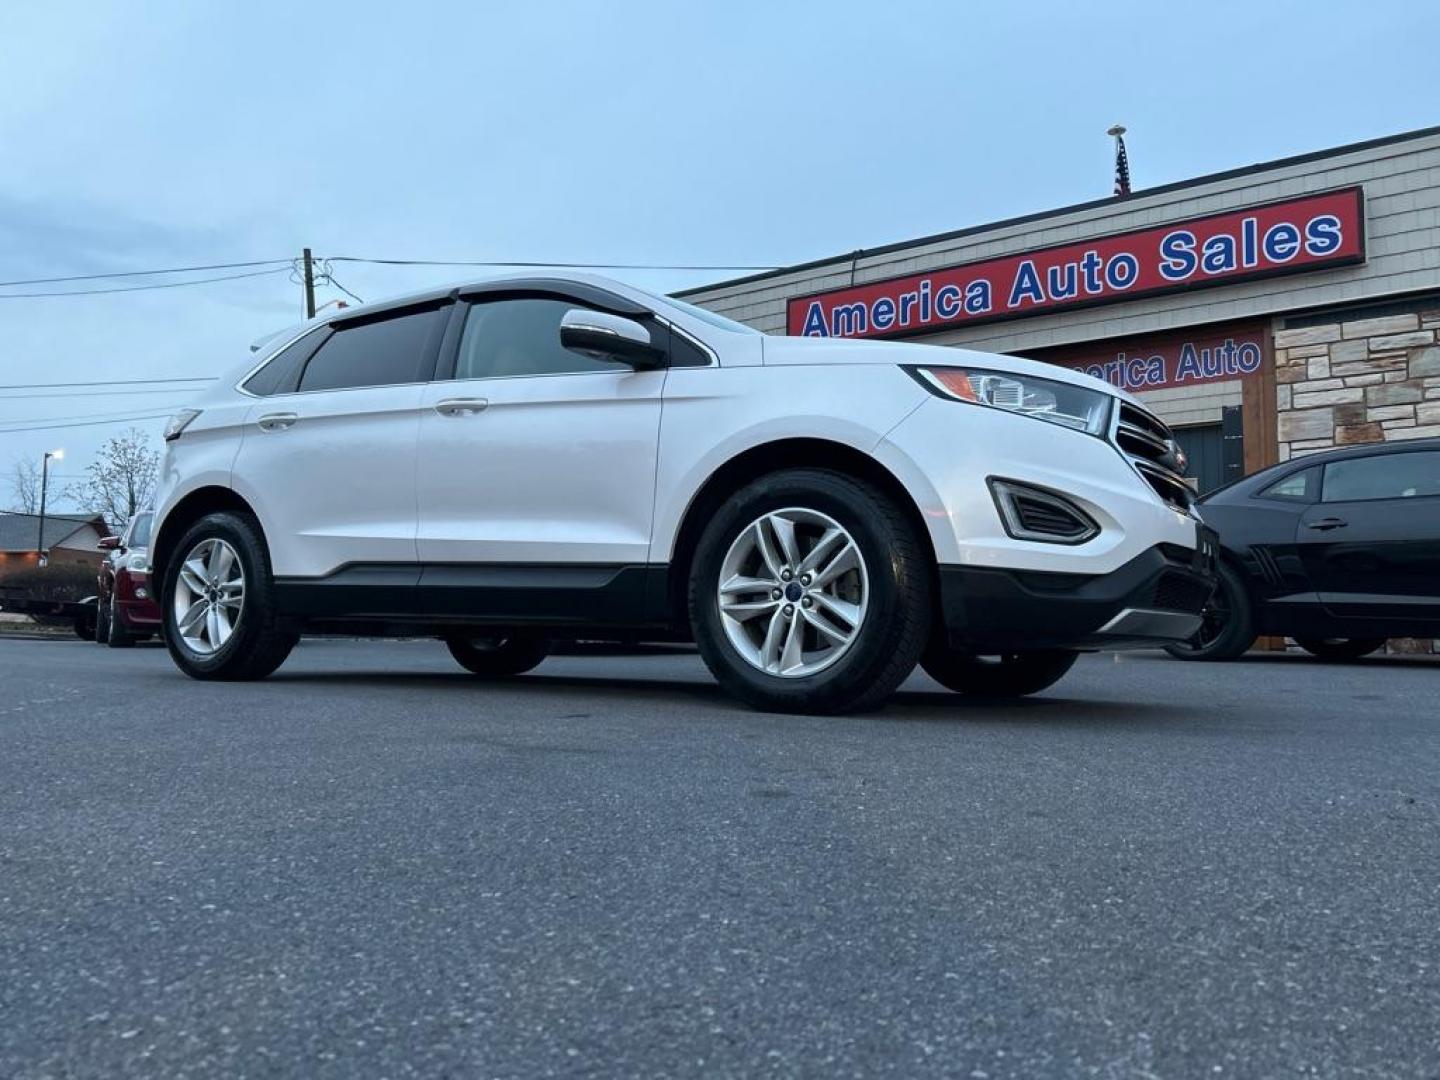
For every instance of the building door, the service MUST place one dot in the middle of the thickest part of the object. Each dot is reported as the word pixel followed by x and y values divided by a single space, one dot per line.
pixel 1204 445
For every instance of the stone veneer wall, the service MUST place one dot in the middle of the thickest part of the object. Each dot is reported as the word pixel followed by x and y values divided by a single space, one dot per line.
pixel 1370 380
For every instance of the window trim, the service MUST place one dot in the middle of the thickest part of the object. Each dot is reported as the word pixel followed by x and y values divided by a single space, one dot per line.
pixel 274 354
pixel 1324 477
pixel 424 369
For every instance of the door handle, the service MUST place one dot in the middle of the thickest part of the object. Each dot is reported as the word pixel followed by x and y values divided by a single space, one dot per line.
pixel 461 406
pixel 1325 524
pixel 277 421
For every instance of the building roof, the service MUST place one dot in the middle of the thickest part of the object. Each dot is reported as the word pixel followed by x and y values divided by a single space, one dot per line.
pixel 18 532
pixel 1092 204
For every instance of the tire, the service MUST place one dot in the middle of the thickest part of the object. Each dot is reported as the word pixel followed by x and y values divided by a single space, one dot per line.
pixel 255 644
pixel 117 634
pixel 1004 675
pixel 85 626
pixel 1340 649
pixel 102 622
pixel 497 657
pixel 1228 629
pixel 881 579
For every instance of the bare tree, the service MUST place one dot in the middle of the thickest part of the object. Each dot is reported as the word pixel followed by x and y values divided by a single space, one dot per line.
pixel 121 479
pixel 25 485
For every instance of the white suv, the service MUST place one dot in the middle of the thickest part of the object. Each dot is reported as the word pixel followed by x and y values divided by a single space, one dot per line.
pixel 524 461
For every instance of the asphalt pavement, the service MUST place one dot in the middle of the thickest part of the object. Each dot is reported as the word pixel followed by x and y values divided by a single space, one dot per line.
pixel 374 865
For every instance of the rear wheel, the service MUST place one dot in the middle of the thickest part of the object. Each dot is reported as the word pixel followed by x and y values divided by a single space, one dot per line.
pixel 1340 648
pixel 102 621
pixel 85 625
pixel 810 592
pixel 117 634
pixel 1227 626
pixel 1002 675
pixel 218 602
pixel 497 657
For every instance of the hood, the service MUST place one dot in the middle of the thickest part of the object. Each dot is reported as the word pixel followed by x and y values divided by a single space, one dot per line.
pixel 815 350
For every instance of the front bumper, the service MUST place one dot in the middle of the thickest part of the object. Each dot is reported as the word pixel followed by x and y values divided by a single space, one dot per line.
pixel 135 610
pixel 1153 599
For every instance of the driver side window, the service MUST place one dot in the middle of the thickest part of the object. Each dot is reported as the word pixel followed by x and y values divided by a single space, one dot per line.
pixel 507 338
pixel 1409 475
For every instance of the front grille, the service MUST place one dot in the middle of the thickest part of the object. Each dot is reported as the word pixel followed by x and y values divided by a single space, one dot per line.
pixel 1181 592
pixel 1151 448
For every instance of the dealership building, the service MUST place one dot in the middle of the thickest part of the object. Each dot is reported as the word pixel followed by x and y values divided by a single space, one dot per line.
pixel 1263 312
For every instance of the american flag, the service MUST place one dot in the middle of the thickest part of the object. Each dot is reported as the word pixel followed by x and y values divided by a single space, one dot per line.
pixel 1122 166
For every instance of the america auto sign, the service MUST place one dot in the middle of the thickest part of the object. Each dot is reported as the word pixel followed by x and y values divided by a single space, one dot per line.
pixel 1311 232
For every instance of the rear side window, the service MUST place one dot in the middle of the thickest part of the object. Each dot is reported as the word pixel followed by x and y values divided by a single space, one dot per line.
pixel 505 338
pixel 380 353
pixel 281 370
pixel 1298 486
pixel 1386 476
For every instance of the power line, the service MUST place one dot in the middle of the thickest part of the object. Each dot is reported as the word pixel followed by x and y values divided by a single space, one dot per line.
pixel 329 277
pixel 102 393
pixel 143 273
pixel 142 288
pixel 105 382
pixel 87 423
pixel 542 265
pixel 58 419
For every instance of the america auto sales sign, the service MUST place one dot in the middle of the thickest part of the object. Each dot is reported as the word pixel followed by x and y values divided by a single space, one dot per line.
pixel 1311 232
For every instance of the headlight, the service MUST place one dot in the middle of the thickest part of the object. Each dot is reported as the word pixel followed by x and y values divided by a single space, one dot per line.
pixel 137 562
pixel 179 422
pixel 1044 399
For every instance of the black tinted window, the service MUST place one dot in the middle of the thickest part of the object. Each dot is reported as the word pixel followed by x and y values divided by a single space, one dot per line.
pixel 1300 486
pixel 1386 476
pixel 520 337
pixel 278 374
pixel 374 353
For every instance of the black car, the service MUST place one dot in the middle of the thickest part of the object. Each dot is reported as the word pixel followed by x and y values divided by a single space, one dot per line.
pixel 1338 550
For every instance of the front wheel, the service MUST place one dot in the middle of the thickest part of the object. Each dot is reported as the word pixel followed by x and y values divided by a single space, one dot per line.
pixel 497 657
pixel 810 593
pixel 1227 627
pixel 218 602
pixel 1340 649
pixel 1003 675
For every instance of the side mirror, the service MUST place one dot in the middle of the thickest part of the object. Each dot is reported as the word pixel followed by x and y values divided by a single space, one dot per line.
pixel 614 337
pixel 109 543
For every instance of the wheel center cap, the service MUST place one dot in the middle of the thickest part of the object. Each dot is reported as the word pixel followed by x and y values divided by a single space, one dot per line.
pixel 793 591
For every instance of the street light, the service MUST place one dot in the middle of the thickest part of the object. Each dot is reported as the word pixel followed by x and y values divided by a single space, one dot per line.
pixel 58 455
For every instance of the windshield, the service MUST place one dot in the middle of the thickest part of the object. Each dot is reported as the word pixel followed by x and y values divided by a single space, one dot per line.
pixel 710 317
pixel 139 531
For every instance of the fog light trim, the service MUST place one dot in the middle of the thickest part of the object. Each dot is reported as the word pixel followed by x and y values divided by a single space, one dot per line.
pixel 1040 515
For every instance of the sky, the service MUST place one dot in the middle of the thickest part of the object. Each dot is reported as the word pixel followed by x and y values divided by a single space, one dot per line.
pixel 735 133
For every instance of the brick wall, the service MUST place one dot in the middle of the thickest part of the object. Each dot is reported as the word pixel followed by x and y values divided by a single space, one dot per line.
pixel 1370 380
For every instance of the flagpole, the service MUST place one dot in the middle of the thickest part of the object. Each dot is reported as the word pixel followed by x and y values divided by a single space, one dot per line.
pixel 1122 161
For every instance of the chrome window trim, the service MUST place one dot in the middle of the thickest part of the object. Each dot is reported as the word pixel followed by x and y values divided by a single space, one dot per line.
pixel 271 355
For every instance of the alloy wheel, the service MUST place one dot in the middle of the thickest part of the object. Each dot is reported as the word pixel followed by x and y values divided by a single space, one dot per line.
pixel 793 592
pixel 209 596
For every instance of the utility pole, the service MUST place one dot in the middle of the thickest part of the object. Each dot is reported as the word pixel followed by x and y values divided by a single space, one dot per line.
pixel 309 271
